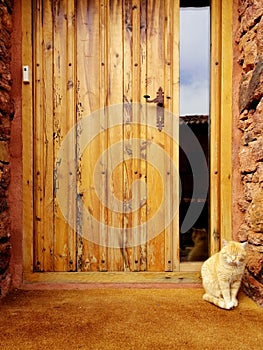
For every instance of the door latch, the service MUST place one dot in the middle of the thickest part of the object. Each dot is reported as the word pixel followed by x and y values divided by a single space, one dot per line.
pixel 159 100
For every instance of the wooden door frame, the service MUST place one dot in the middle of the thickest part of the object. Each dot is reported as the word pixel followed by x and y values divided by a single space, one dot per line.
pixel 220 156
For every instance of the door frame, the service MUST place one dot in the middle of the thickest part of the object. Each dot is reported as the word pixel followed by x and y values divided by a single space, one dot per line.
pixel 220 156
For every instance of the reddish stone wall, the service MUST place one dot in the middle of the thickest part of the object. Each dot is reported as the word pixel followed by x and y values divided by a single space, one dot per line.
pixel 249 39
pixel 6 115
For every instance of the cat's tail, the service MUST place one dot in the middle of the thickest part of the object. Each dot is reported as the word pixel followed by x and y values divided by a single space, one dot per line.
pixel 218 301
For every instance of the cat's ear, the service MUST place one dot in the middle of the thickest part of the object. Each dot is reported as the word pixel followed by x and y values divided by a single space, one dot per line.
pixel 225 242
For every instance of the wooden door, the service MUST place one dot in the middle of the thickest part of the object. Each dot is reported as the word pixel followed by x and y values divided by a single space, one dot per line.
pixel 106 188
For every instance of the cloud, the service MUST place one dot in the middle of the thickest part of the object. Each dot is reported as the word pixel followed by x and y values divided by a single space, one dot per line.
pixel 194 98
pixel 194 60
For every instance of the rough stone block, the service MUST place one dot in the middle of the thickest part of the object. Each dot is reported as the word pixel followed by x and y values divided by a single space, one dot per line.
pixel 259 37
pixel 248 136
pixel 4 176
pixel 243 205
pixel 3 204
pixel 248 47
pixel 5 284
pixel 6 18
pixel 4 226
pixel 255 212
pixel 5 128
pixel 259 172
pixel 250 12
pixel 254 262
pixel 252 288
pixel 243 232
pixel 247 163
pixel 5 254
pixel 251 89
pixel 256 239
pixel 257 149
pixel 6 103
pixel 4 152
pixel 246 119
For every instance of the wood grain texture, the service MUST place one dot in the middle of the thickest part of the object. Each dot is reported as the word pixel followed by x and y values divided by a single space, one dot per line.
pixel 38 143
pixel 221 125
pixel 215 130
pixel 226 124
pixel 47 120
pixel 97 55
pixel 88 71
pixel 114 277
pixel 27 128
pixel 103 141
pixel 71 64
pixel 127 68
pixel 175 86
pixel 62 123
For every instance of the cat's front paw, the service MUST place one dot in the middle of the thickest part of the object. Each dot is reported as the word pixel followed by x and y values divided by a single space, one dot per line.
pixel 229 305
pixel 235 302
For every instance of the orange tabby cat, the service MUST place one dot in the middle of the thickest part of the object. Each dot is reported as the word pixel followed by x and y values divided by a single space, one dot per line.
pixel 222 274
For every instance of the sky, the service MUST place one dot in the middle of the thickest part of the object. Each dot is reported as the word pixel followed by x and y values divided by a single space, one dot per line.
pixel 194 61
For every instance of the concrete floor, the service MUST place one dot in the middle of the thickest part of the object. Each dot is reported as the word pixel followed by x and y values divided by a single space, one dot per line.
pixel 126 318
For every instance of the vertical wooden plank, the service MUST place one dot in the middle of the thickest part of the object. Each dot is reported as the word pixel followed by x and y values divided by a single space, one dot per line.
pixel 103 140
pixel 175 18
pixel 143 135
pixel 81 106
pixel 135 134
pixel 215 115
pixel 59 126
pixel 168 65
pixel 115 96
pixel 38 141
pixel 71 116
pixel 226 123
pixel 88 71
pixel 139 167
pixel 27 129
pixel 155 79
pixel 62 124
pixel 47 141
pixel 136 162
pixel 171 88
pixel 128 40
pixel 103 88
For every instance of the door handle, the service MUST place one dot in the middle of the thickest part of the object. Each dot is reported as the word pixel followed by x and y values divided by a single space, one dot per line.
pixel 159 100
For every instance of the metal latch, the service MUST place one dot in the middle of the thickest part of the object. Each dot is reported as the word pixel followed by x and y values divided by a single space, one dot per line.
pixel 159 100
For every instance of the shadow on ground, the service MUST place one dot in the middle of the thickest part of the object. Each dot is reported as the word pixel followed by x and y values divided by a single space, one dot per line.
pixel 126 319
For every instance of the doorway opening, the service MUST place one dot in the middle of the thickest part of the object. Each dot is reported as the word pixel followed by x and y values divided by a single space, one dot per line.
pixel 194 112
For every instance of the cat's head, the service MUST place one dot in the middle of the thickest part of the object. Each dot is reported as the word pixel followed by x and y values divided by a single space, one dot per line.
pixel 234 253
pixel 199 235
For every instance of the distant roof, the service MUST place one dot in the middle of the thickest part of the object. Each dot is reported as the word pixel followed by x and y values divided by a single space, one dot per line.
pixel 194 119
pixel 194 3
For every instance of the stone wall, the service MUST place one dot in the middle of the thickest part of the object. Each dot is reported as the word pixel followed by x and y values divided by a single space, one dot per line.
pixel 249 39
pixel 6 115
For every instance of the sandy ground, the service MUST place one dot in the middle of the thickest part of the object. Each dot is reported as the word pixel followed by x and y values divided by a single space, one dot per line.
pixel 126 319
